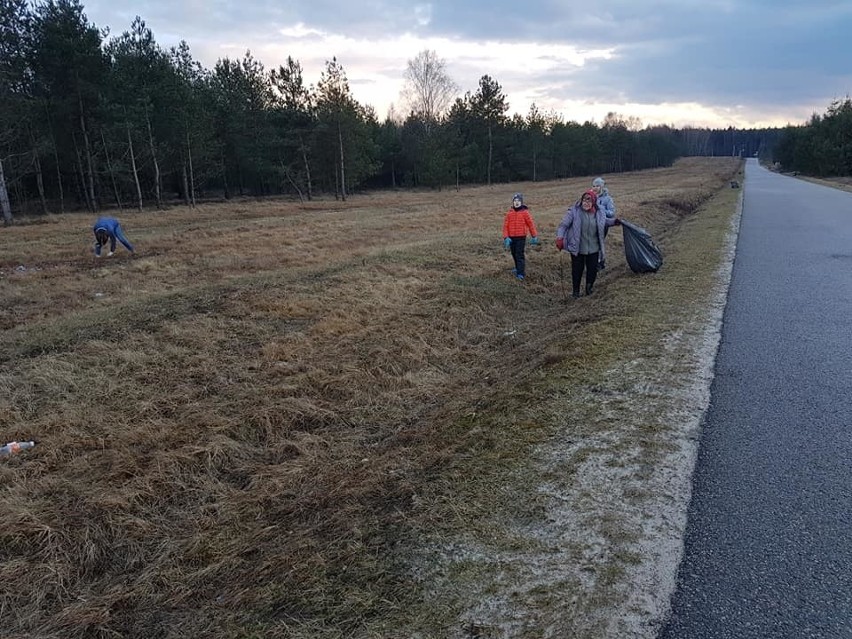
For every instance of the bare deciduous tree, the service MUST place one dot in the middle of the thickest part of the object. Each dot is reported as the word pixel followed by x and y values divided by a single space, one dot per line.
pixel 428 89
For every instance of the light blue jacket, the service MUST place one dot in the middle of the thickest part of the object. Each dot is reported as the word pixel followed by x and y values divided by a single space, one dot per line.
pixel 571 227
pixel 113 229
pixel 606 203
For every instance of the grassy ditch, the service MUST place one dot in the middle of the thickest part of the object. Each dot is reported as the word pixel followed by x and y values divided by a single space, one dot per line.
pixel 581 536
pixel 347 419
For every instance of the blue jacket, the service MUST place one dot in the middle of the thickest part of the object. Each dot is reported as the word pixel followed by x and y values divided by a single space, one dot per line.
pixel 571 227
pixel 113 229
pixel 606 203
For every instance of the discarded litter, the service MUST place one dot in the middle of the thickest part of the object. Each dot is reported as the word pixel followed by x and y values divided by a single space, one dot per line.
pixel 13 448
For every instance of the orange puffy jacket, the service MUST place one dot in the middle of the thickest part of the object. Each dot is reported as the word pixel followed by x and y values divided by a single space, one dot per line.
pixel 516 223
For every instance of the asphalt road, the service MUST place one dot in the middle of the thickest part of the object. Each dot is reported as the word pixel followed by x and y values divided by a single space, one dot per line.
pixel 768 546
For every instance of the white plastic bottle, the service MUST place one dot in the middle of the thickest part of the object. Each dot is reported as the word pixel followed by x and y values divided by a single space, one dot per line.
pixel 14 447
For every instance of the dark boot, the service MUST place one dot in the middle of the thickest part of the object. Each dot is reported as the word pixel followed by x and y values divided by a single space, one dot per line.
pixel 590 289
pixel 575 294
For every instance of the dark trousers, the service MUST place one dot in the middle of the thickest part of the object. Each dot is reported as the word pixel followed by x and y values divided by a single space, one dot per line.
pixel 518 246
pixel 580 262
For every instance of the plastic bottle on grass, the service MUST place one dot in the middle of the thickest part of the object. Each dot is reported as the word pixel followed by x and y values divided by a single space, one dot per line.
pixel 14 447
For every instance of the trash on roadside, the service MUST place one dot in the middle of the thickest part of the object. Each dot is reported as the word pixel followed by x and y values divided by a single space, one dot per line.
pixel 12 448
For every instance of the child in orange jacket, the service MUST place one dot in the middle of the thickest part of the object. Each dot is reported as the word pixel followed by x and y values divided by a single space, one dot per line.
pixel 515 225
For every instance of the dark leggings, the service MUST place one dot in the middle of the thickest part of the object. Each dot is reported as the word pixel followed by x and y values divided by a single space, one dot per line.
pixel 579 262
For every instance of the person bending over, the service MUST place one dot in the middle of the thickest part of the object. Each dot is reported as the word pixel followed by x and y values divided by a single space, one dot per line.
pixel 108 229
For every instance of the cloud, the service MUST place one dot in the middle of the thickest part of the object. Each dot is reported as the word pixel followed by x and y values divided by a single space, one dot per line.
pixel 423 14
pixel 726 61
pixel 301 31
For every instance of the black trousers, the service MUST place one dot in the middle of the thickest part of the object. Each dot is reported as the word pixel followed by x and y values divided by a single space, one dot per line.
pixel 518 247
pixel 587 262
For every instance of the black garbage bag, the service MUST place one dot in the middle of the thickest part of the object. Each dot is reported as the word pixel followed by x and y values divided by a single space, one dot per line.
pixel 643 256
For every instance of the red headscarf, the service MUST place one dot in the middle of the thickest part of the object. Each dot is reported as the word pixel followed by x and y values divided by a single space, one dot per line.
pixel 591 193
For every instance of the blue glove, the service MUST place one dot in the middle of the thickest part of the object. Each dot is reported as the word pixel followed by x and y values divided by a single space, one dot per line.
pixel 507 242
pixel 534 241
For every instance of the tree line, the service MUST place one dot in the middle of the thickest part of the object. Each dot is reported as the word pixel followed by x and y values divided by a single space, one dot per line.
pixel 823 146
pixel 89 121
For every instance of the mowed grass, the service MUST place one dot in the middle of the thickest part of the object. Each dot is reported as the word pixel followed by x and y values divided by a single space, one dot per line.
pixel 262 423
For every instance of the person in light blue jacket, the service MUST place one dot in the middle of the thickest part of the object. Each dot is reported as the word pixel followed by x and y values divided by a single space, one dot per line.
pixel 581 233
pixel 108 229
pixel 606 204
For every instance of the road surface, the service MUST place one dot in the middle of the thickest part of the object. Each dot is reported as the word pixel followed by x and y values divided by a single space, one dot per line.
pixel 768 545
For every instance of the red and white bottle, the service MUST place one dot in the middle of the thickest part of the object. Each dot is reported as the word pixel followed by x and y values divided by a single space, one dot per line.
pixel 13 448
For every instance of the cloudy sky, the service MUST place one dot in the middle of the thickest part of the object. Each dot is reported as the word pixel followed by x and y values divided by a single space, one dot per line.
pixel 741 63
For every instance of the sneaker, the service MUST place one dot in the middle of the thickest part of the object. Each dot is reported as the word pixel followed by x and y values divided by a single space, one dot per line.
pixel 576 295
pixel 519 276
pixel 514 271
pixel 590 290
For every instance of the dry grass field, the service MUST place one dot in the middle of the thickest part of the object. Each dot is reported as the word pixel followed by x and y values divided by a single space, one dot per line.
pixel 348 419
